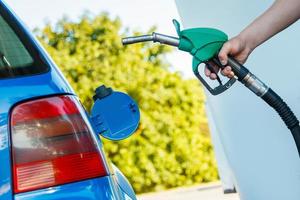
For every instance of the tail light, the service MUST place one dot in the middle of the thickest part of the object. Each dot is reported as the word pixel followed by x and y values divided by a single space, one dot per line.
pixel 52 144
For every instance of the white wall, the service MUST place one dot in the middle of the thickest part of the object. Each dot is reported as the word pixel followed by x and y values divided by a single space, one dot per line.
pixel 259 148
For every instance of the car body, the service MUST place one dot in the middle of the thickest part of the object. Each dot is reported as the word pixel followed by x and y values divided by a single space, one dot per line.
pixel 39 81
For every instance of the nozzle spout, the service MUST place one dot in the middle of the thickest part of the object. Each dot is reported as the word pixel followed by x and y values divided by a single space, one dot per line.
pixel 137 39
pixel 155 37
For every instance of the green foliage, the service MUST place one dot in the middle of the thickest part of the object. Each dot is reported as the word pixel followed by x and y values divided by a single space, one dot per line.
pixel 171 146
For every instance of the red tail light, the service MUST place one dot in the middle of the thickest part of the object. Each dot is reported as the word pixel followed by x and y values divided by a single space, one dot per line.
pixel 52 144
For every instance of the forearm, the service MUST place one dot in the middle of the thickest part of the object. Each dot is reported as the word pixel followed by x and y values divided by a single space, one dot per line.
pixel 279 16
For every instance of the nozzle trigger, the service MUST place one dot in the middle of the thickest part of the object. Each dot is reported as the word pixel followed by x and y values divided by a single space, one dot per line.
pixel 214 91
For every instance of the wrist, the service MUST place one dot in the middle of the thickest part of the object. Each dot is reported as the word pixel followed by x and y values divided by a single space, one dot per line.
pixel 248 40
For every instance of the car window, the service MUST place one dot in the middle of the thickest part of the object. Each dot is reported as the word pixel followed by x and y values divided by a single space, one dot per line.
pixel 18 57
pixel 12 51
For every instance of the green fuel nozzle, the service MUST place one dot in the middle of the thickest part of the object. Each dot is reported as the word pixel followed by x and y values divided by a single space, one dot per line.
pixel 202 43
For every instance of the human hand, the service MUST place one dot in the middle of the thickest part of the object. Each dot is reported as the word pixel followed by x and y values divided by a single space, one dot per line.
pixel 236 47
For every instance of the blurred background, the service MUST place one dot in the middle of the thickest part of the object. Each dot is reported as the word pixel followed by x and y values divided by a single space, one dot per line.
pixel 172 146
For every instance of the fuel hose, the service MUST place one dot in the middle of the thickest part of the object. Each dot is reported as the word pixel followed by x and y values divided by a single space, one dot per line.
pixel 268 95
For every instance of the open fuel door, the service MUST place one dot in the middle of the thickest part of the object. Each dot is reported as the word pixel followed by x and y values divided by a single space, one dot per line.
pixel 114 115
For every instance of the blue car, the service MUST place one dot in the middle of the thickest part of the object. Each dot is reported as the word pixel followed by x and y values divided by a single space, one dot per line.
pixel 49 145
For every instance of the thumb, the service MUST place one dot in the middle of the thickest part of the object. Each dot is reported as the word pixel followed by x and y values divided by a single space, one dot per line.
pixel 223 54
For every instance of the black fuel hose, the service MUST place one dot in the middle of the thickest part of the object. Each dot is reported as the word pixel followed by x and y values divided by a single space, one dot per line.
pixel 268 95
pixel 286 114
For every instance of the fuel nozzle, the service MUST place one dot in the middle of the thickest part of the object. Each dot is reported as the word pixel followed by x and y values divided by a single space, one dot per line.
pixel 155 37
pixel 202 43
